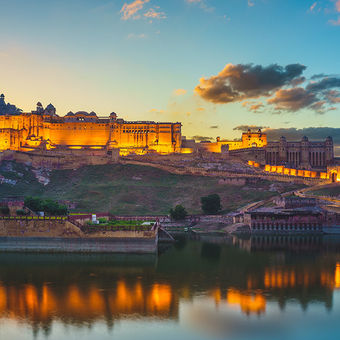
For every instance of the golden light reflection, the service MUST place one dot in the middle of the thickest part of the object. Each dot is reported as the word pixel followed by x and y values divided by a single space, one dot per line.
pixel 249 303
pixel 83 304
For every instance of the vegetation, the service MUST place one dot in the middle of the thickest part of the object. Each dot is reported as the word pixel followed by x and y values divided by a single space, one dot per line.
pixel 178 213
pixel 21 212
pixel 117 223
pixel 211 204
pixel 113 188
pixel 331 191
pixel 4 211
pixel 48 206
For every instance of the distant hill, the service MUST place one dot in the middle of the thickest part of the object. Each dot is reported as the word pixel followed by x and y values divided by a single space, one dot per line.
pixel 128 189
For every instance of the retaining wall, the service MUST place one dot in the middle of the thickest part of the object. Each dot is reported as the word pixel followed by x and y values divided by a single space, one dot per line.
pixel 131 245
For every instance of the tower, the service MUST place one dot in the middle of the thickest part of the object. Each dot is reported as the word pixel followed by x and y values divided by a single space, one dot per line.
pixel 40 108
pixel 305 159
pixel 329 150
pixel 283 150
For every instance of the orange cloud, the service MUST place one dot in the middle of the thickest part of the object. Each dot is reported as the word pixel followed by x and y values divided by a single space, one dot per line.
pixel 180 92
pixel 129 10
pixel 153 14
pixel 337 5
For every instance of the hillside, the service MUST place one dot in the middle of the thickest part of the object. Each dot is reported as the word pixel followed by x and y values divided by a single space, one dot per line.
pixel 129 189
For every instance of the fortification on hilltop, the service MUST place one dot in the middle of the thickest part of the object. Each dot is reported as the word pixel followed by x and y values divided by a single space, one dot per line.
pixel 44 129
pixel 45 138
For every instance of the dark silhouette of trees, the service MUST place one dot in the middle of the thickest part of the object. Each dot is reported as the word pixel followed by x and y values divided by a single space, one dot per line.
pixel 211 204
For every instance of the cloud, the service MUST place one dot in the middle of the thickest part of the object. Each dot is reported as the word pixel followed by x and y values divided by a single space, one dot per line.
pixel 130 10
pixel 333 96
pixel 136 36
pixel 286 87
pixel 311 8
pixel 202 138
pixel 245 128
pixel 202 4
pixel 335 22
pixel 324 84
pixel 180 92
pixel 292 99
pixel 243 81
pixel 317 96
pixel 153 14
pixel 313 133
pixel 251 3
pixel 156 111
pixel 337 5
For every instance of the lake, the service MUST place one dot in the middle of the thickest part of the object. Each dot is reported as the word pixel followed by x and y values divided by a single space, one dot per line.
pixel 212 288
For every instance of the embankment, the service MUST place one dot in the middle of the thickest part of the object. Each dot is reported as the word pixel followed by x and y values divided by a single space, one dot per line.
pixel 61 236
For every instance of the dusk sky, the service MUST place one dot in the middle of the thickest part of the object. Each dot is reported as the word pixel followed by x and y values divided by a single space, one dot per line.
pixel 212 64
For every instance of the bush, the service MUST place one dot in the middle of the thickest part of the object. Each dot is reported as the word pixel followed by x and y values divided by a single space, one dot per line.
pixel 4 210
pixel 21 212
pixel 34 203
pixel 102 220
pixel 211 204
pixel 179 213
pixel 48 206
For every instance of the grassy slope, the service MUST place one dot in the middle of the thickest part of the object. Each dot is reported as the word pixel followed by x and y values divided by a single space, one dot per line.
pixel 112 187
pixel 332 192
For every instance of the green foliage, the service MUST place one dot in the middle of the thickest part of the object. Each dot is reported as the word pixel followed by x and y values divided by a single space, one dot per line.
pixel 21 212
pixel 102 220
pixel 34 203
pixel 4 210
pixel 179 213
pixel 48 206
pixel 211 204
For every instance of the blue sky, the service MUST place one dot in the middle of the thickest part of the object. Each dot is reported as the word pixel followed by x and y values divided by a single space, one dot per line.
pixel 144 58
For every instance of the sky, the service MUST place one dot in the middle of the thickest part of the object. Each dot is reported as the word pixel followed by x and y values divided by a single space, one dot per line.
pixel 217 66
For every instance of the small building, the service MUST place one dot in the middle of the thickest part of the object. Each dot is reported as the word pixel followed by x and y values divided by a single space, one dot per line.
pixel 292 202
pixel 277 220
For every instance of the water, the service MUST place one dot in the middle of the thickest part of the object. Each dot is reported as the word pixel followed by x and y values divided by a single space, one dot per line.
pixel 216 288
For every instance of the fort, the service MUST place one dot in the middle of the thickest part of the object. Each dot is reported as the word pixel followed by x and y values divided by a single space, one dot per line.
pixel 46 139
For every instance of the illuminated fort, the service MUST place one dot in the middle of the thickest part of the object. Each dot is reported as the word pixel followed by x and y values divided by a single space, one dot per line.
pixel 44 129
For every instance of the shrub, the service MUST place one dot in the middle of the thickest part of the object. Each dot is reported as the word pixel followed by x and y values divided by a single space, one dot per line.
pixel 48 206
pixel 179 213
pixel 4 210
pixel 21 212
pixel 211 204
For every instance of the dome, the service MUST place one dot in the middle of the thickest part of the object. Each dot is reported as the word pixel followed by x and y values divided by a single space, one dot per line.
pixel 83 113
pixel 49 107
pixel 70 113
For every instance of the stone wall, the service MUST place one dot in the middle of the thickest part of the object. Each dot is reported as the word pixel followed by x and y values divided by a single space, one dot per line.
pixel 131 245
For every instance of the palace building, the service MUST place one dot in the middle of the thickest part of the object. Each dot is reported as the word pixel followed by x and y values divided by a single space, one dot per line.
pixel 302 154
pixel 44 129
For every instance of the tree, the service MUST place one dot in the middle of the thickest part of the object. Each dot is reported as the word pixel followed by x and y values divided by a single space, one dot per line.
pixel 4 210
pixel 34 203
pixel 48 206
pixel 211 204
pixel 179 213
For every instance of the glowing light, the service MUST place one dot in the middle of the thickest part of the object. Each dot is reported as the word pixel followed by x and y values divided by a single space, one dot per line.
pixel 249 303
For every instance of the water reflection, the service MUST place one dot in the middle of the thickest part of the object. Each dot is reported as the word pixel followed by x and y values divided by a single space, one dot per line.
pixel 72 290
